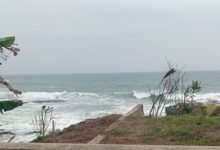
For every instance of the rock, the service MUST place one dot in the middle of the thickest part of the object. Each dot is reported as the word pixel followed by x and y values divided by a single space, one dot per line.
pixel 211 101
pixel 174 110
pixel 181 108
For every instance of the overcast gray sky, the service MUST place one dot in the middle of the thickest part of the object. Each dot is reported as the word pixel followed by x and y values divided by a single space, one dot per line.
pixel 89 36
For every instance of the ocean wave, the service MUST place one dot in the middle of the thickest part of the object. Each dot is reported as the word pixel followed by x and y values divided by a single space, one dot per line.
pixel 45 96
pixel 134 94
pixel 202 97
pixel 65 96
pixel 140 95
pixel 205 97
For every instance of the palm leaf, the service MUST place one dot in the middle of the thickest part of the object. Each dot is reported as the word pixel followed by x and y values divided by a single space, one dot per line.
pixel 9 105
pixel 7 41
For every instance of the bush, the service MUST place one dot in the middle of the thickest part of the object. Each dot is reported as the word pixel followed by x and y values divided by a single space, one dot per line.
pixel 42 120
pixel 203 110
pixel 39 139
pixel 196 109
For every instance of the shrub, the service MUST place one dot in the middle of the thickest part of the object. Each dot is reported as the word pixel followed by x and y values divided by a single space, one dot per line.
pixel 42 120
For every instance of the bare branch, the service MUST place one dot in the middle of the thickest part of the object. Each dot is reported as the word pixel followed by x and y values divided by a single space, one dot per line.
pixel 15 91
pixel 14 50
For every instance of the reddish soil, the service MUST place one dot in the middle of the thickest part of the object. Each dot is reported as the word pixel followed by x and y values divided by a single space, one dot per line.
pixel 83 132
pixel 127 131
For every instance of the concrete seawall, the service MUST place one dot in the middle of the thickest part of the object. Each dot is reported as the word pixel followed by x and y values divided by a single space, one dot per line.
pixel 20 146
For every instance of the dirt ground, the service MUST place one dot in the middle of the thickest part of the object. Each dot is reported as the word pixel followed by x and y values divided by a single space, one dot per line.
pixel 83 132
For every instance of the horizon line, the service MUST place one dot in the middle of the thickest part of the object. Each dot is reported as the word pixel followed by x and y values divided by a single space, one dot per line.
pixel 125 72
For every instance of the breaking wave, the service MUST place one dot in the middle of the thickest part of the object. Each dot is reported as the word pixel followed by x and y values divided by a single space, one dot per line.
pixel 140 95
pixel 203 97
pixel 65 96
pixel 45 96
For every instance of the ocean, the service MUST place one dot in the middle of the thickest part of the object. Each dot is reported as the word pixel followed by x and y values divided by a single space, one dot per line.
pixel 84 96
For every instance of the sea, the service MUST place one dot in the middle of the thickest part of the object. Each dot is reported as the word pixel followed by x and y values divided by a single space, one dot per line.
pixel 76 97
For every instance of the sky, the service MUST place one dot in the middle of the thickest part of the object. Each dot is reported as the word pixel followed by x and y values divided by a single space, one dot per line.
pixel 102 36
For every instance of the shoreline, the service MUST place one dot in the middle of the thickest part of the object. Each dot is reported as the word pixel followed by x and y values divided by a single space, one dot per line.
pixel 134 128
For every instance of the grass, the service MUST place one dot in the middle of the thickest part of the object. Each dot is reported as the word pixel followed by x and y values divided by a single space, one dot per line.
pixel 171 130
pixel 42 138
pixel 117 132
pixel 39 139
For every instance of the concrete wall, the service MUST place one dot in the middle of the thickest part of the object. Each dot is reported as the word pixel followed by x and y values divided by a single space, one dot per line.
pixel 137 111
pixel 20 146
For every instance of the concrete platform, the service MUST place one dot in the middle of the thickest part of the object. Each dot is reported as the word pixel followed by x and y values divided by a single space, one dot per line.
pixel 20 146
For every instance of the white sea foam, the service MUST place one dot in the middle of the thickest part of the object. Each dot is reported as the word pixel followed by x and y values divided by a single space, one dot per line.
pixel 205 97
pixel 47 96
pixel 201 97
pixel 50 96
pixel 141 95
pixel 77 107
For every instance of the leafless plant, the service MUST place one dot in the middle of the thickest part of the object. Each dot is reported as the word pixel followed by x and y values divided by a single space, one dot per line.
pixel 167 91
pixel 42 120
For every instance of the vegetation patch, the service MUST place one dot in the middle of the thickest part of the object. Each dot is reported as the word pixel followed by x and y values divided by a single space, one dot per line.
pixel 170 130
pixel 40 139
pixel 118 132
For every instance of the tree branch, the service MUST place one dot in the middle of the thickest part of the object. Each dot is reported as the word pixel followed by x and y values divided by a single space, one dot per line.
pixel 15 91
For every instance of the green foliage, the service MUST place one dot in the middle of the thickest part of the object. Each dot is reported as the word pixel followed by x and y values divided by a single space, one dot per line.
pixel 118 133
pixel 182 130
pixel 39 139
pixel 169 130
pixel 51 134
pixel 196 86
pixel 192 89
pixel 7 41
pixel 195 109
pixel 9 105
pixel 203 110
pixel 187 108
pixel 178 132
pixel 6 44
